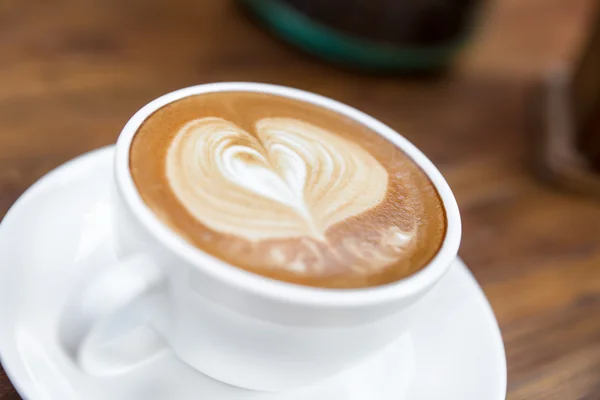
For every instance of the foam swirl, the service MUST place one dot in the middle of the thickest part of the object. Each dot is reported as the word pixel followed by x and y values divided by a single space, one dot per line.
pixel 293 179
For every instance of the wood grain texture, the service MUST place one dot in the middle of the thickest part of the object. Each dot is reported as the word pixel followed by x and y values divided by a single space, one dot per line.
pixel 73 71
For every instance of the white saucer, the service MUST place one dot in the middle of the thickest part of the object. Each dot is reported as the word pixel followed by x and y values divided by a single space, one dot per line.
pixel 454 352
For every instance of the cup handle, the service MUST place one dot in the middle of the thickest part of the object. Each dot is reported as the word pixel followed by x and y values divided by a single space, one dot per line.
pixel 114 290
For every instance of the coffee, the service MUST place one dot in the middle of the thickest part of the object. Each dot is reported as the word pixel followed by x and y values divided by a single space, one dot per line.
pixel 287 189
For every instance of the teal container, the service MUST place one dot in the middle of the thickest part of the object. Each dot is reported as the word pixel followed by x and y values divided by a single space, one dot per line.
pixel 352 50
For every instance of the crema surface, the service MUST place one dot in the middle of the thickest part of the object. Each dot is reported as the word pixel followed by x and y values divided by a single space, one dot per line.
pixel 287 190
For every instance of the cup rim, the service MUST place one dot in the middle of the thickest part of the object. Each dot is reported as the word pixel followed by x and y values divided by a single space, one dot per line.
pixel 270 288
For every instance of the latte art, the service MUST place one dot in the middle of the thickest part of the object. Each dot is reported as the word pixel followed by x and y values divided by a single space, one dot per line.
pixel 292 179
pixel 287 189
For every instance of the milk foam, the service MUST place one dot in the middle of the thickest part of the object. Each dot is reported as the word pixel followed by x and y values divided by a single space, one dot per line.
pixel 293 179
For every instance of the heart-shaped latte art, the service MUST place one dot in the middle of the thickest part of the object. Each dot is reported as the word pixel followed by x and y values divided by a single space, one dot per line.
pixel 293 179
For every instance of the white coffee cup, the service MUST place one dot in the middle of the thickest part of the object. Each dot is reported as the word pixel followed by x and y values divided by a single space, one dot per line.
pixel 234 326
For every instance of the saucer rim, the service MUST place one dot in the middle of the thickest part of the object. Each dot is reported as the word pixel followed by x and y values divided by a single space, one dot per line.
pixel 49 179
pixel 24 386
pixel 492 322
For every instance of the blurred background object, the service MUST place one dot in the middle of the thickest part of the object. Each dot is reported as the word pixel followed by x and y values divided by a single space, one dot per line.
pixel 569 146
pixel 403 35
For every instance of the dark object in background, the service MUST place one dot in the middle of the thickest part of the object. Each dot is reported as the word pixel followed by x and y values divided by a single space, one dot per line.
pixel 585 99
pixel 569 149
pixel 376 34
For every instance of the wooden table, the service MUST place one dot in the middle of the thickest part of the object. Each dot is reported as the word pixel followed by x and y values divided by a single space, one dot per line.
pixel 73 71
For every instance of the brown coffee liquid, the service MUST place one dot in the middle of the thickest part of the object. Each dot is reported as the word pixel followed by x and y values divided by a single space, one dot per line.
pixel 287 190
